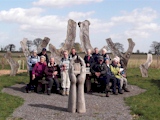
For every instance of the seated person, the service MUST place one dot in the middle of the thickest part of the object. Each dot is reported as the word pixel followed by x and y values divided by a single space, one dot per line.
pixel 51 73
pixel 65 81
pixel 89 60
pixel 111 77
pixel 32 60
pixel 38 70
pixel 116 71
pixel 99 69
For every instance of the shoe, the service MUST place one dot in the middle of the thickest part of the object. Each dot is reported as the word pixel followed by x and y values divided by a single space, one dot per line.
pixel 115 93
pixel 27 89
pixel 126 89
pixel 120 92
pixel 107 94
pixel 67 92
pixel 63 92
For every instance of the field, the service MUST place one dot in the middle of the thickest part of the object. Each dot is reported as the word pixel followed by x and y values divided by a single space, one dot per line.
pixel 134 62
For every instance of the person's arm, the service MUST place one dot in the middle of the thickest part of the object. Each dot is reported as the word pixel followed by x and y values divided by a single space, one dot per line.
pixel 92 70
pixel 34 71
pixel 29 61
pixel 46 72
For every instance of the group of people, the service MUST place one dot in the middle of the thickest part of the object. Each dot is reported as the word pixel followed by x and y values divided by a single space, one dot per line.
pixel 102 69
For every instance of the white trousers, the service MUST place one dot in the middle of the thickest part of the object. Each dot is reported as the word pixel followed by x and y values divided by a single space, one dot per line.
pixel 65 81
pixel 123 80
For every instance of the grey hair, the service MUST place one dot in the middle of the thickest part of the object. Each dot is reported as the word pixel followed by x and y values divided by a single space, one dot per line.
pixel 103 49
pixel 42 56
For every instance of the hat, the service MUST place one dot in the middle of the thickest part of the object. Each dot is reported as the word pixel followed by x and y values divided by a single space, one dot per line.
pixel 106 58
pixel 44 49
pixel 100 58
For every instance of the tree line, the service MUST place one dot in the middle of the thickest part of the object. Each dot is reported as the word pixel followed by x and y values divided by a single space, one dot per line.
pixel 154 47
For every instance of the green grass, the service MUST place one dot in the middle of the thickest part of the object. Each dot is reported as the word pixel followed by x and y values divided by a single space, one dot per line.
pixel 145 106
pixel 9 103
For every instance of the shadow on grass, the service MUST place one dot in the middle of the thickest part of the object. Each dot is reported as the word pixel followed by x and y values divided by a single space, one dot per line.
pixel 49 107
pixel 156 82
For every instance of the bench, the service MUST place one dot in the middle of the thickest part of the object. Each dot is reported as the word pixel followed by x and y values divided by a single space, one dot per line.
pixel 42 83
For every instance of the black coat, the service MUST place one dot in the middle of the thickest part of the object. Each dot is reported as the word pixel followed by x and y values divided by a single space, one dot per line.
pixel 102 68
pixel 95 57
pixel 90 61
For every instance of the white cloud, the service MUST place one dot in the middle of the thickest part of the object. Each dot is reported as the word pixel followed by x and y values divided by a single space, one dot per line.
pixel 62 3
pixel 137 15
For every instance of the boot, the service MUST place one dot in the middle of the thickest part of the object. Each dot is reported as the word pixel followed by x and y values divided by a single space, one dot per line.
pixel 115 93
pixel 125 88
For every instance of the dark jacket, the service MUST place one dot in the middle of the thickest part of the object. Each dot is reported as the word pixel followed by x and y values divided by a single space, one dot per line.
pixel 90 60
pixel 109 72
pixel 102 68
pixel 50 69
pixel 95 57
pixel 47 60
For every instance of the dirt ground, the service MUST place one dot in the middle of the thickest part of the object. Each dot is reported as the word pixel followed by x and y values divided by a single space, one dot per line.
pixel 5 72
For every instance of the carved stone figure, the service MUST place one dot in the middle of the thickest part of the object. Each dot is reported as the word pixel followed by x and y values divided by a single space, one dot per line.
pixel 144 67
pixel 84 35
pixel 77 73
pixel 43 44
pixel 14 65
pixel 124 57
pixel 69 42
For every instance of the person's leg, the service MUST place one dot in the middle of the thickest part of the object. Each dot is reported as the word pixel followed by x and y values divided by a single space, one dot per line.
pixel 28 88
pixel 50 84
pixel 67 83
pixel 125 85
pixel 56 82
pixel 114 82
pixel 119 86
pixel 88 83
pixel 63 82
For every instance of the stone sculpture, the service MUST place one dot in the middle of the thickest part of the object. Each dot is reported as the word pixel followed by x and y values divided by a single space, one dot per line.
pixel 14 65
pixel 124 57
pixel 43 44
pixel 144 67
pixel 84 35
pixel 77 73
pixel 69 42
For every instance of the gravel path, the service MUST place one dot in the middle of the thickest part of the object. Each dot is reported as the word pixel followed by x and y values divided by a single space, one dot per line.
pixel 54 107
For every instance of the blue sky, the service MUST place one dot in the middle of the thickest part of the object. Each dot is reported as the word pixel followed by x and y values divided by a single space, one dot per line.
pixel 115 19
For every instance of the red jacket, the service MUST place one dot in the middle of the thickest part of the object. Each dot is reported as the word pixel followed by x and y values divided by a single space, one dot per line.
pixel 38 69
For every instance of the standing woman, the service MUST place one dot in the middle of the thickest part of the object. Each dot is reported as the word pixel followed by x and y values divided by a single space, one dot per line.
pixel 89 60
pixel 104 54
pixel 32 60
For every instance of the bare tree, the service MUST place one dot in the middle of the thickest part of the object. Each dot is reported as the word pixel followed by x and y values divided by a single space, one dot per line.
pixel 37 42
pixel 155 47
pixel 119 47
pixel 29 44
pixel 10 47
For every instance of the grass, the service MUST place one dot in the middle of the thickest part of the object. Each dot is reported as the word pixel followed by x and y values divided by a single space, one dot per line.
pixel 9 103
pixel 145 106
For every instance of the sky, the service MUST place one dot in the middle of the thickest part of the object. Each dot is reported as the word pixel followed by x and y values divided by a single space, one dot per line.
pixel 115 19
